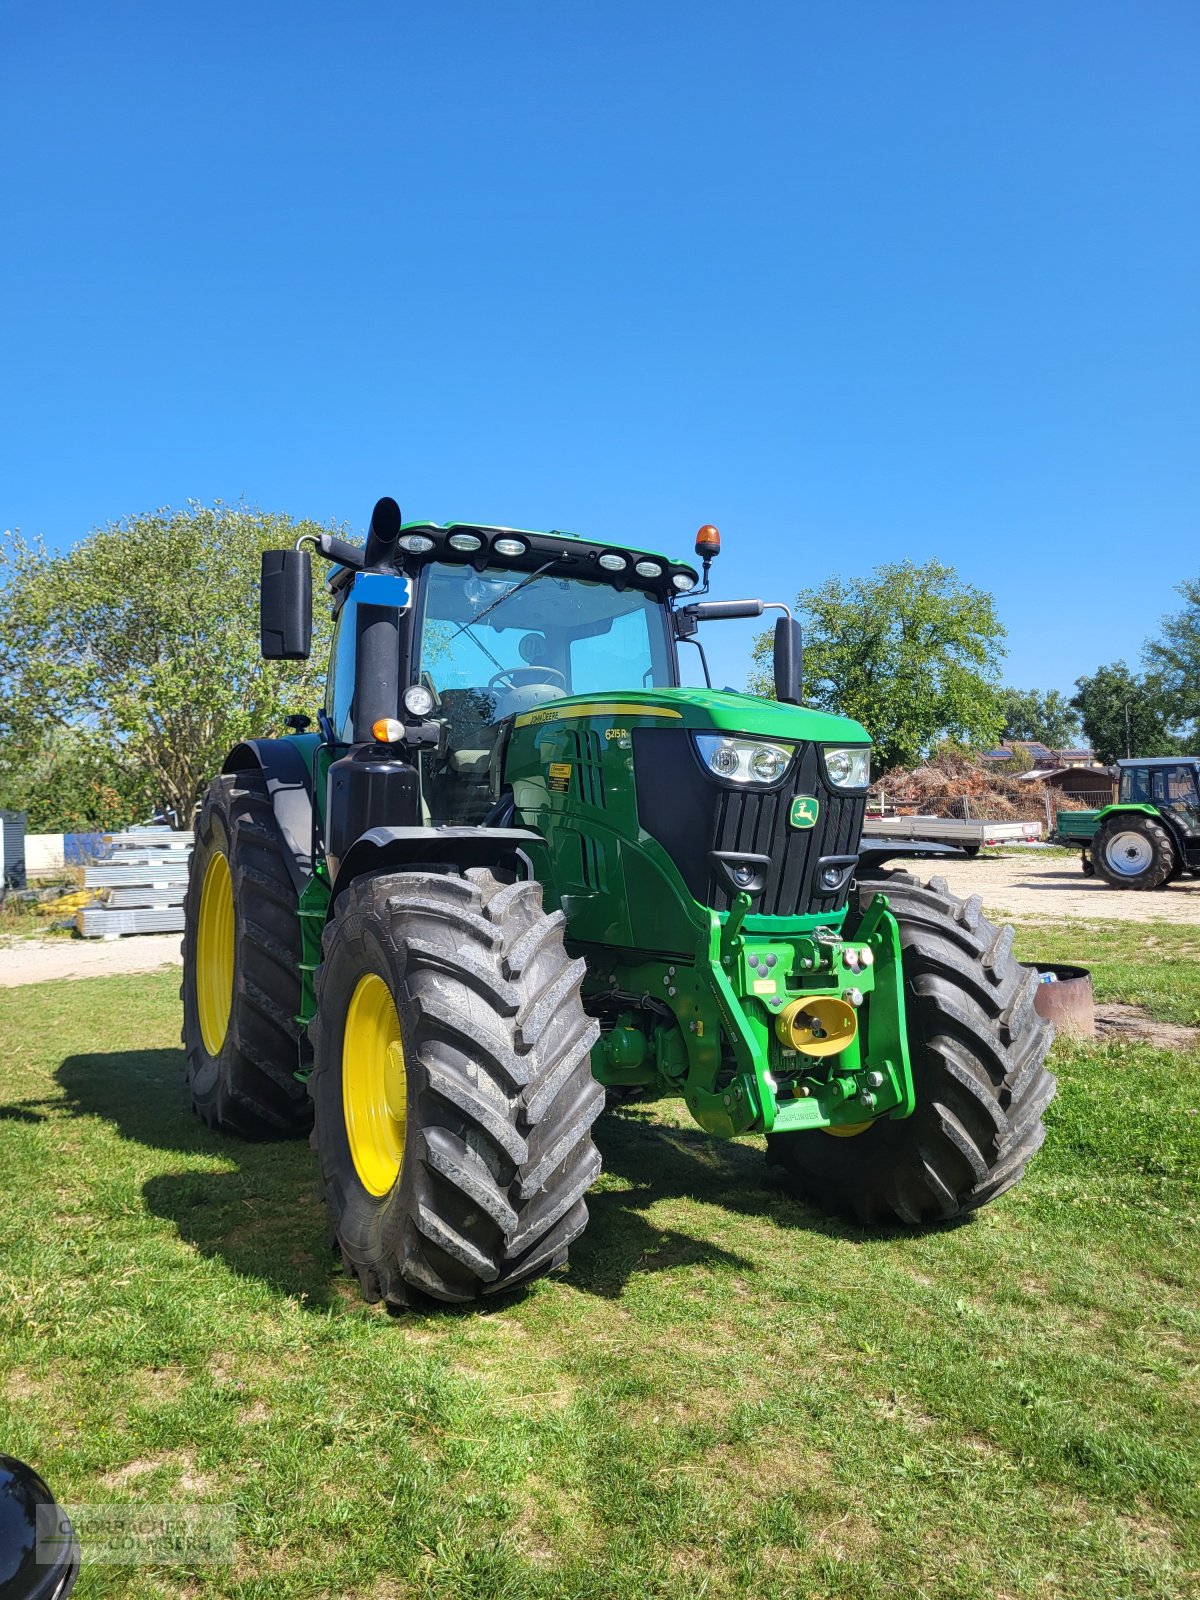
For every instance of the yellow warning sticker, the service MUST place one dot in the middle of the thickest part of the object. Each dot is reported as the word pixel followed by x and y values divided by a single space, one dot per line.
pixel 764 985
pixel 560 777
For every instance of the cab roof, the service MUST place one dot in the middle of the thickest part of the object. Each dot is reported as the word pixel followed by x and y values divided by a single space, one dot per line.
pixel 1157 761
pixel 564 554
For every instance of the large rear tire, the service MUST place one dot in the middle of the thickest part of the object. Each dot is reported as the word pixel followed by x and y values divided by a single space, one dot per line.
pixel 977 1048
pixel 1134 851
pixel 241 967
pixel 452 1086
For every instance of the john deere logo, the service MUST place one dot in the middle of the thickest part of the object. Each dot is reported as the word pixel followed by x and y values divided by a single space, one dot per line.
pixel 804 812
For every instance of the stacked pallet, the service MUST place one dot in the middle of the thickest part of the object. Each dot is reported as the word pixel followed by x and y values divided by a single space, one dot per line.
pixel 140 886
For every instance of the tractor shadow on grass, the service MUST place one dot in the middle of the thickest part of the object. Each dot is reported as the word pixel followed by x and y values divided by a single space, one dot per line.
pixel 254 1206
pixel 260 1215
pixel 652 1164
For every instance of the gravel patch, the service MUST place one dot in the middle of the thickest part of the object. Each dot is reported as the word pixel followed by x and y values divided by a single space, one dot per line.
pixel 1053 889
pixel 49 960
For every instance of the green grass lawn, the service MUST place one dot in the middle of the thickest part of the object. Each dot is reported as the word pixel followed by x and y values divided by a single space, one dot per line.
pixel 727 1395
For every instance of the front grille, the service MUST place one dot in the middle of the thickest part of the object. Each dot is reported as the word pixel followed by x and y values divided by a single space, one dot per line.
pixel 691 816
pixel 758 824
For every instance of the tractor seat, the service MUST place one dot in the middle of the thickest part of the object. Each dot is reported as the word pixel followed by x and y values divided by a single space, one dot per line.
pixel 470 716
pixel 470 763
pixel 474 758
pixel 460 785
pixel 523 697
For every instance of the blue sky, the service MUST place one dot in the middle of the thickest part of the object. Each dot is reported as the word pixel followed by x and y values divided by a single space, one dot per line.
pixel 854 281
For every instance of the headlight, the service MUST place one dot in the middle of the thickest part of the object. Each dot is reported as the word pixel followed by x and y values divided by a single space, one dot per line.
pixel 418 701
pixel 743 760
pixel 848 769
pixel 415 543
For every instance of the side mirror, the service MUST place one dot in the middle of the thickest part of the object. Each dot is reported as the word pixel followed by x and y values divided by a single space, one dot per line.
pixel 789 661
pixel 39 1553
pixel 285 605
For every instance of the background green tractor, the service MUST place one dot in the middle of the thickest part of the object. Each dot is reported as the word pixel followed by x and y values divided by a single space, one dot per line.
pixel 517 866
pixel 1151 836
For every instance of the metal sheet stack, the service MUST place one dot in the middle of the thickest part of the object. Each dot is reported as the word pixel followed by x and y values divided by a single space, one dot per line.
pixel 141 884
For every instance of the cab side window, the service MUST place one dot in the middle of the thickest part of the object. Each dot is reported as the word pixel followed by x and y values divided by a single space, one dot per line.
pixel 1180 786
pixel 1135 786
pixel 339 681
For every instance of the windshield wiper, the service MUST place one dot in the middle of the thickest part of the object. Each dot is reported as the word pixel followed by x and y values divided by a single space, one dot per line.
pixel 507 595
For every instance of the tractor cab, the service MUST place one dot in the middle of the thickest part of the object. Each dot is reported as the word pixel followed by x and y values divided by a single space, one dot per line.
pixel 454 632
pixel 486 624
pixel 1168 783
pixel 491 644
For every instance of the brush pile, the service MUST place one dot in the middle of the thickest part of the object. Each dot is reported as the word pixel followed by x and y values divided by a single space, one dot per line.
pixel 952 785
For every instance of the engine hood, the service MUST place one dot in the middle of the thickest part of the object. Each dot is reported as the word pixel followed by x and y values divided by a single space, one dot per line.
pixel 720 710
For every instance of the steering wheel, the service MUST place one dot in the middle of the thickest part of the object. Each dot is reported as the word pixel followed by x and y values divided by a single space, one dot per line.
pixel 516 676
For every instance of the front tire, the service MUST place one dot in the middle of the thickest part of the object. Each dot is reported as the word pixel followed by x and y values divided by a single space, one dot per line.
pixel 1134 852
pixel 241 967
pixel 977 1048
pixel 452 1086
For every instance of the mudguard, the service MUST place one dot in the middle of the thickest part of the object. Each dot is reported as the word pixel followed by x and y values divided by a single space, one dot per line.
pixel 286 764
pixel 1119 807
pixel 462 847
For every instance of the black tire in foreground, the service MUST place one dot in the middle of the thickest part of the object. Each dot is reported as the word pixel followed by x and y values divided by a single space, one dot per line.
pixel 241 979
pixel 452 1086
pixel 1134 851
pixel 977 1048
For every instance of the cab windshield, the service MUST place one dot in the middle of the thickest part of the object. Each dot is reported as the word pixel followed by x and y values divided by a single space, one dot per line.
pixel 495 643
pixel 522 639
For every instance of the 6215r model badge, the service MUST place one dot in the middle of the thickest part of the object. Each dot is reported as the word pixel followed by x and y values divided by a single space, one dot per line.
pixel 805 810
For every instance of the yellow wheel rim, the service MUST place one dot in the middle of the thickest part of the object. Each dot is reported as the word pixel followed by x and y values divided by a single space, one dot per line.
pixel 214 954
pixel 374 1085
pixel 849 1130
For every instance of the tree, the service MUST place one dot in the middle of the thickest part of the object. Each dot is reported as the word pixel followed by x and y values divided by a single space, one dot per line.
pixel 910 651
pixel 1175 659
pixel 75 783
pixel 139 646
pixel 1049 718
pixel 1124 714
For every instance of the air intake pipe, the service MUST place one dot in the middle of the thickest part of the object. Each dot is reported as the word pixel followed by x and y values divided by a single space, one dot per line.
pixel 382 535
pixel 377 642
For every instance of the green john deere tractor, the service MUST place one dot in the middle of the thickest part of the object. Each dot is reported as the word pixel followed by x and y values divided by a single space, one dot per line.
pixel 518 869
pixel 1151 835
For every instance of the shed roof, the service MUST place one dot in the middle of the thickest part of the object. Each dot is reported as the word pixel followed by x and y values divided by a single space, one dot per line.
pixel 1103 775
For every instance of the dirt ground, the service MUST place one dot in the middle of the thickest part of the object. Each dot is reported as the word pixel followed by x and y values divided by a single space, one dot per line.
pixel 1125 1023
pixel 1033 888
pixel 1025 887
pixel 39 960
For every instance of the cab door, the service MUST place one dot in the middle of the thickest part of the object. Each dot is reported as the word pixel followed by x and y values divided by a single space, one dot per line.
pixel 1175 792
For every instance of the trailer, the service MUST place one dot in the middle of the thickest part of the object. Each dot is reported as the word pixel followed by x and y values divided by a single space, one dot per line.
pixel 970 834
